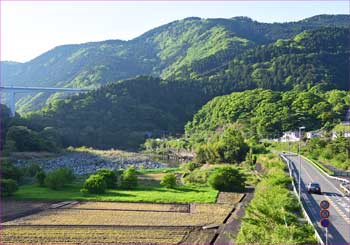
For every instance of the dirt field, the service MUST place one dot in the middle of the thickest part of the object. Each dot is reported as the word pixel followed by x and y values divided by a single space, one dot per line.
pixel 200 215
pixel 11 209
pixel 118 223
pixel 132 206
pixel 92 235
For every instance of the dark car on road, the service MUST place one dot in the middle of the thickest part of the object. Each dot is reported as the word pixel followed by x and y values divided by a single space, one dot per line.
pixel 314 187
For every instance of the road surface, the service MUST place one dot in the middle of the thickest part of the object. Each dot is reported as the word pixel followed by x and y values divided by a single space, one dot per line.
pixel 339 230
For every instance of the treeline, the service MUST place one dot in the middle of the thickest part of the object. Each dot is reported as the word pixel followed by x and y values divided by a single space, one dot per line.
pixel 17 135
pixel 266 114
pixel 331 152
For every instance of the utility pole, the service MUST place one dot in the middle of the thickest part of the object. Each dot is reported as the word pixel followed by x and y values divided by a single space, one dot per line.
pixel 299 182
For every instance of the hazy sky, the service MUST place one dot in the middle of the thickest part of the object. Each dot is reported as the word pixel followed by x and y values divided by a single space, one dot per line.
pixel 31 28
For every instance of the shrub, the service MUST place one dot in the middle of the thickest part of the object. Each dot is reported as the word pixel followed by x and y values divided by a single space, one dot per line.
pixel 40 178
pixel 56 179
pixel 168 180
pixel 95 184
pixel 109 176
pixel 197 177
pixel 10 171
pixel 8 187
pixel 190 166
pixel 68 175
pixel 33 169
pixel 227 179
pixel 129 178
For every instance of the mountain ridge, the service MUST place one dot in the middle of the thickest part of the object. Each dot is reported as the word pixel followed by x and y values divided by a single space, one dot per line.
pixel 163 51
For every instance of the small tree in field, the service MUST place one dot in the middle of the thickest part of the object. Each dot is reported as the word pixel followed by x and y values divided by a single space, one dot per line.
pixel 227 179
pixel 129 178
pixel 40 178
pixel 109 176
pixel 169 181
pixel 95 184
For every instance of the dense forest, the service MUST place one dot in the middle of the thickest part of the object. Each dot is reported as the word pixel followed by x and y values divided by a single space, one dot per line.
pixel 266 114
pixel 316 57
pixel 123 114
pixel 187 49
pixel 17 135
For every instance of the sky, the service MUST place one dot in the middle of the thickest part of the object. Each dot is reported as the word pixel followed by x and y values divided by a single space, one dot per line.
pixel 29 29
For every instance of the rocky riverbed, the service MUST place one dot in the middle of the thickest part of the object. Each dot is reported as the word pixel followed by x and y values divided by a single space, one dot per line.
pixel 86 163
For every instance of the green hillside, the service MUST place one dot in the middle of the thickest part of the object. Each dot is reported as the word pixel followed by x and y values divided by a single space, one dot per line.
pixel 313 57
pixel 167 51
pixel 266 114
pixel 123 114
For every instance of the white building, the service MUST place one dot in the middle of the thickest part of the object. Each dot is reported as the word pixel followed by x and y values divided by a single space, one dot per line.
pixel 336 134
pixel 313 134
pixel 290 136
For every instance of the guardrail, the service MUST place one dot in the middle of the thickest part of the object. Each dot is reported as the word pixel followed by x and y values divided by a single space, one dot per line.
pixel 346 190
pixel 317 235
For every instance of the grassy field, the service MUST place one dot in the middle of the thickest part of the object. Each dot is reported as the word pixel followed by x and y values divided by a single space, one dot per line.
pixel 151 193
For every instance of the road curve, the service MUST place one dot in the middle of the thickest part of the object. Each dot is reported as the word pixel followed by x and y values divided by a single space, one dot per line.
pixel 339 230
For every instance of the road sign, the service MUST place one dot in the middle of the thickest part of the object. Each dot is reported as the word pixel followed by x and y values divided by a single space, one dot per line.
pixel 324 204
pixel 325 222
pixel 324 213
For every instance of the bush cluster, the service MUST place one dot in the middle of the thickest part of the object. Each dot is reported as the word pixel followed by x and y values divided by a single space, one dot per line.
pixel 58 178
pixel 95 184
pixel 190 166
pixel 169 181
pixel 228 179
pixel 8 187
pixel 109 176
pixel 104 179
pixel 10 176
pixel 129 178
pixel 197 177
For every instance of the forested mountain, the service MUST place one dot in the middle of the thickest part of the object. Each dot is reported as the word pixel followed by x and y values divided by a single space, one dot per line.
pixel 266 114
pixel 123 114
pixel 313 57
pixel 185 49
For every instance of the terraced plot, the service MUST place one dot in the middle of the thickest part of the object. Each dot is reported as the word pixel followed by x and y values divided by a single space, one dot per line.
pixel 200 215
pixel 92 235
pixel 132 206
pixel 118 223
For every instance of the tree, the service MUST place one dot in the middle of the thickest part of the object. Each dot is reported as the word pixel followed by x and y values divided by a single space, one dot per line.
pixel 8 187
pixel 10 171
pixel 95 184
pixel 58 178
pixel 169 181
pixel 228 179
pixel 129 178
pixel 109 176
pixel 40 178
pixel 234 147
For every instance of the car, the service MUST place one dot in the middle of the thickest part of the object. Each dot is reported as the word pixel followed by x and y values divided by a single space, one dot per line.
pixel 314 187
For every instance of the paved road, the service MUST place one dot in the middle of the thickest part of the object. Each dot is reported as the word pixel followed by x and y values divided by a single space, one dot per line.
pixel 339 230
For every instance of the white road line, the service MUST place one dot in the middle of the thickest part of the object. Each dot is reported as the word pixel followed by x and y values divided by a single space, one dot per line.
pixel 323 176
